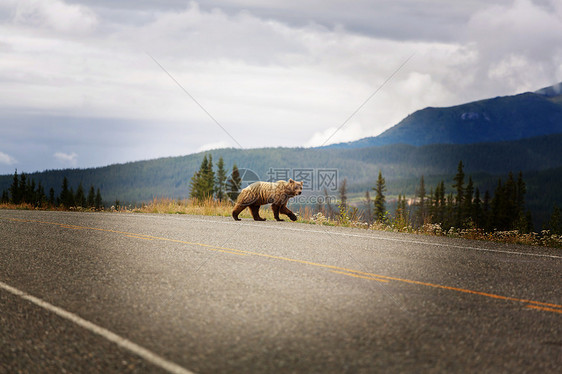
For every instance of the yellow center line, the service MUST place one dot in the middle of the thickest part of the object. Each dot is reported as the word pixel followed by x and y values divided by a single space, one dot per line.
pixel 138 237
pixel 494 296
pixel 545 309
pixel 72 227
pixel 231 252
pixel 359 274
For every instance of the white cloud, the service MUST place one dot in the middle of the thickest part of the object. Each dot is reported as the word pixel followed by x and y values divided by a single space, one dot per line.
pixel 283 74
pixel 332 135
pixel 519 44
pixel 214 145
pixel 70 159
pixel 55 15
pixel 6 159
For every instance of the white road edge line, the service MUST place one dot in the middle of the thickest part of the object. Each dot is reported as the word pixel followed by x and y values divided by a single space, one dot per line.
pixel 112 337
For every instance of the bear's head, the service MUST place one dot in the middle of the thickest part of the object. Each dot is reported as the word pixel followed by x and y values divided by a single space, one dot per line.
pixel 293 188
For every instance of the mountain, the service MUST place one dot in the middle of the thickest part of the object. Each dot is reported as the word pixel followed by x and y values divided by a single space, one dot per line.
pixel 505 118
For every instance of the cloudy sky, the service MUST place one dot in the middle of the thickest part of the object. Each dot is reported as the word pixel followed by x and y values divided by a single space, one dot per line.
pixel 94 82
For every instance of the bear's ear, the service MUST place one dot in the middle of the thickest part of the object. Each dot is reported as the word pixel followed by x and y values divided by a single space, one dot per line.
pixel 291 180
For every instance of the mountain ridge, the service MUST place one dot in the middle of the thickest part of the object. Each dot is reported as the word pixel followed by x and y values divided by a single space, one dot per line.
pixel 502 118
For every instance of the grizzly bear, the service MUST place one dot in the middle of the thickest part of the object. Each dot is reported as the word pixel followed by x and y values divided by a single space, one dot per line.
pixel 260 193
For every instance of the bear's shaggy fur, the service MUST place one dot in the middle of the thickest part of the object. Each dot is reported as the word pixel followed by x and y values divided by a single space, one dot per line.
pixel 260 193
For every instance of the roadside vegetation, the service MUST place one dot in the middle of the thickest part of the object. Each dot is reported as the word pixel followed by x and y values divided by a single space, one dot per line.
pixel 349 218
pixel 461 212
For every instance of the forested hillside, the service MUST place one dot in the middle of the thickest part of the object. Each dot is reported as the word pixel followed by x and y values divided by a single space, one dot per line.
pixel 402 165
pixel 138 181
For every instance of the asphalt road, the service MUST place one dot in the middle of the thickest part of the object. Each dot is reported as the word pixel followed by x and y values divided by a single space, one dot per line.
pixel 104 293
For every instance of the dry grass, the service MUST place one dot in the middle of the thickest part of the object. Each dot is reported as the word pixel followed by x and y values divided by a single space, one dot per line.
pixel 545 238
pixel 209 207
pixel 27 206
pixel 24 206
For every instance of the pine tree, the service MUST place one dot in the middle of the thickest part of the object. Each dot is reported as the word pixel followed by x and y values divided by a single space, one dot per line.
pixel 497 214
pixel 198 182
pixel 368 208
pixel 467 207
pixel 403 206
pixel 233 184
pixel 380 199
pixel 221 180
pixel 40 197
pixel 15 189
pixel 329 209
pixel 486 214
pixel 30 191
pixel 421 211
pixel 510 210
pixel 432 204
pixel 203 181
pixel 477 215
pixel 449 216
pixel 195 186
pixel 98 201
pixel 52 196
pixel 401 214
pixel 459 187
pixel 209 179
pixel 554 224
pixel 71 200
pixel 343 195
pixel 5 197
pixel 80 197
pixel 91 197
pixel 520 194
pixel 529 219
pixel 23 188
pixel 63 197
pixel 441 202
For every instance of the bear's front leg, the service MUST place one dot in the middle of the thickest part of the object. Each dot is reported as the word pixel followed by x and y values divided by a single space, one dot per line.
pixel 256 212
pixel 275 209
pixel 283 209
pixel 238 208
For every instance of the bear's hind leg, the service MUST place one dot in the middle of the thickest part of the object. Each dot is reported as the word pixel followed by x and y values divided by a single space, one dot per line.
pixel 238 208
pixel 256 212
pixel 275 209
pixel 284 210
